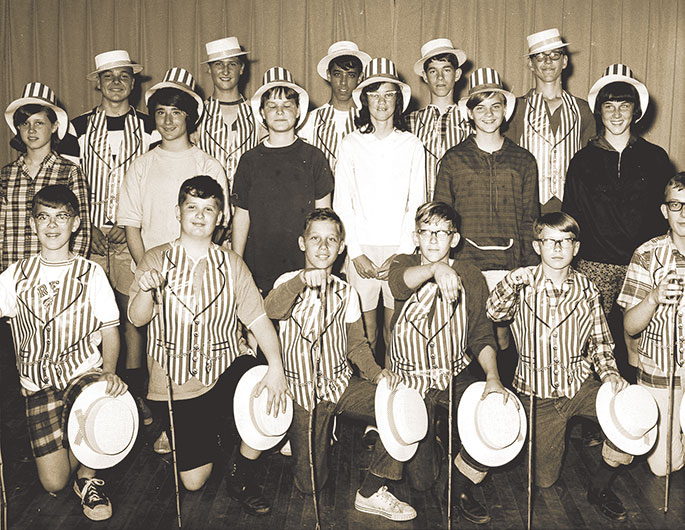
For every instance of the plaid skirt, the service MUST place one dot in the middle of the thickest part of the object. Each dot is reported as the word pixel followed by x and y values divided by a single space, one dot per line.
pixel 47 412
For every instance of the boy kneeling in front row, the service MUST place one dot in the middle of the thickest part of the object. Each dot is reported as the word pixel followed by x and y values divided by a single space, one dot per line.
pixel 321 332
pixel 207 290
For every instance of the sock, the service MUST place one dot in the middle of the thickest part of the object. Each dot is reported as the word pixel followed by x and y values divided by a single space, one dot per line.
pixel 371 485
pixel 460 482
pixel 245 466
pixel 135 379
pixel 604 476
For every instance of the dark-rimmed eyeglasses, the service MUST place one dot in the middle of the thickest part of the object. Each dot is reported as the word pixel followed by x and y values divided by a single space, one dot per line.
pixel 543 56
pixel 674 206
pixel 551 244
pixel 440 235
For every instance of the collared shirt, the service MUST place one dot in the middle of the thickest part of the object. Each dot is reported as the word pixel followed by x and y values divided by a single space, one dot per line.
pixel 17 188
pixel 650 263
pixel 562 330
pixel 438 133
pixel 325 128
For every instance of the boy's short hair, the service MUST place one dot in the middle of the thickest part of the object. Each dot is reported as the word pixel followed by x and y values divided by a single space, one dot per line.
pixel 363 121
pixel 556 221
pixel 324 214
pixel 618 91
pixel 55 196
pixel 22 114
pixel 173 97
pixel 283 92
pixel 477 99
pixel 346 62
pixel 449 57
pixel 202 187
pixel 437 211
pixel 677 182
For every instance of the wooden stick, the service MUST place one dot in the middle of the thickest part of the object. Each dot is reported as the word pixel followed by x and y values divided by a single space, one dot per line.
pixel 450 428
pixel 171 410
pixel 669 427
pixel 531 414
pixel 3 498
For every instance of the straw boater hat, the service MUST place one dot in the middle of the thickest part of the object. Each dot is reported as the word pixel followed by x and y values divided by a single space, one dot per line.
pixel 102 429
pixel 258 429
pixel 488 80
pixel 180 79
pixel 437 47
pixel 337 49
pixel 114 59
pixel 223 49
pixel 401 418
pixel 381 70
pixel 40 94
pixel 493 432
pixel 545 41
pixel 279 76
pixel 614 73
pixel 628 418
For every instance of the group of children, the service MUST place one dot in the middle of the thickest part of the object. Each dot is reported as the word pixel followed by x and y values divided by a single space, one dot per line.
pixel 156 224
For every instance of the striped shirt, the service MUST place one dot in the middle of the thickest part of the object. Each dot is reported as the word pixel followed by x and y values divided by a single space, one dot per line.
pixel 650 263
pixel 325 127
pixel 227 143
pixel 564 328
pixel 17 188
pixel 314 340
pixel 438 133
pixel 56 313
pixel 107 146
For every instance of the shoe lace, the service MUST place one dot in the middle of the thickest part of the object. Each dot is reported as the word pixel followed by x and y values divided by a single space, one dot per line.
pixel 388 498
pixel 90 494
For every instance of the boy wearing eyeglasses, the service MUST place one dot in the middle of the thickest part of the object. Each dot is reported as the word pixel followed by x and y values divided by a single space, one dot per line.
pixel 551 123
pixel 651 298
pixel 61 309
pixel 439 327
pixel 559 326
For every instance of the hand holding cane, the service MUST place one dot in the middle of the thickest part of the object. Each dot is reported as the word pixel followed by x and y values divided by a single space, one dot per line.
pixel 160 300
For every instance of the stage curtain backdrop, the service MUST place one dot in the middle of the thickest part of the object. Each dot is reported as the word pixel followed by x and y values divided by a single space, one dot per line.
pixel 55 41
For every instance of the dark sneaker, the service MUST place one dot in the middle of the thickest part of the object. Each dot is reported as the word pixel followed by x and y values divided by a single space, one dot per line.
pixel 96 505
pixel 370 437
pixel 470 508
pixel 242 489
pixel 591 435
pixel 608 504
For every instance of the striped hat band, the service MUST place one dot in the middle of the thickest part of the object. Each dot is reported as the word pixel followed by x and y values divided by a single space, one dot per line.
pixel 180 76
pixel 277 74
pixel 484 78
pixel 382 67
pixel 39 91
pixel 619 69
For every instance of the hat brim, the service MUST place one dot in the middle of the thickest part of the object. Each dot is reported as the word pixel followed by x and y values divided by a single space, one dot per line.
pixel 508 96
pixel 93 76
pixel 405 88
pixel 224 56
pixel 466 423
pixel 241 412
pixel 62 117
pixel 322 67
pixel 459 54
pixel 303 104
pixel 183 88
pixel 630 446
pixel 395 448
pixel 547 48
pixel 603 81
pixel 82 451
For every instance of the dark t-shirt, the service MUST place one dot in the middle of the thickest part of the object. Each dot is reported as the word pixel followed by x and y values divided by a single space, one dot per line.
pixel 278 187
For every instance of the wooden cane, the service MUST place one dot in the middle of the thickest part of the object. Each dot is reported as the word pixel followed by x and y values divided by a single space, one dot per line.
pixel 3 497
pixel 669 427
pixel 450 428
pixel 171 410
pixel 531 414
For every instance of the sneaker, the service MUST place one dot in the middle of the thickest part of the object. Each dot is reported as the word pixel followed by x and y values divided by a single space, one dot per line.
pixel 385 504
pixel 242 489
pixel 162 445
pixel 286 450
pixel 96 505
pixel 370 436
pixel 145 412
pixel 470 509
pixel 608 504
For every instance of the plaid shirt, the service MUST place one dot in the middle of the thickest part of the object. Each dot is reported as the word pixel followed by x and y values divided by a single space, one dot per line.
pixel 496 195
pixel 564 328
pixel 17 188
pixel 650 263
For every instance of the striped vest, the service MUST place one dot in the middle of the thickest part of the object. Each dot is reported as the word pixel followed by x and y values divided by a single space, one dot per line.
pixel 306 341
pixel 52 343
pixel 200 331
pixel 104 174
pixel 215 138
pixel 325 136
pixel 422 349
pixel 438 134
pixel 553 152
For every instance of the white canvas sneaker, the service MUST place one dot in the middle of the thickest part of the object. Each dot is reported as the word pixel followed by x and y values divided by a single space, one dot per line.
pixel 385 504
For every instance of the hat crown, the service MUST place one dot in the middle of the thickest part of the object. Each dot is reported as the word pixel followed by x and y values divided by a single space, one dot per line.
pixel 380 66
pixel 634 411
pixel 498 424
pixel 109 426
pixel 545 40
pixel 434 45
pixel 180 76
pixel 484 78
pixel 277 74
pixel 618 69
pixel 407 415
pixel 112 57
pixel 40 91
pixel 221 45
pixel 342 46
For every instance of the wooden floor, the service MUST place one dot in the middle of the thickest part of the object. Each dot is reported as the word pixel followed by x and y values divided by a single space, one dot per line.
pixel 142 489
